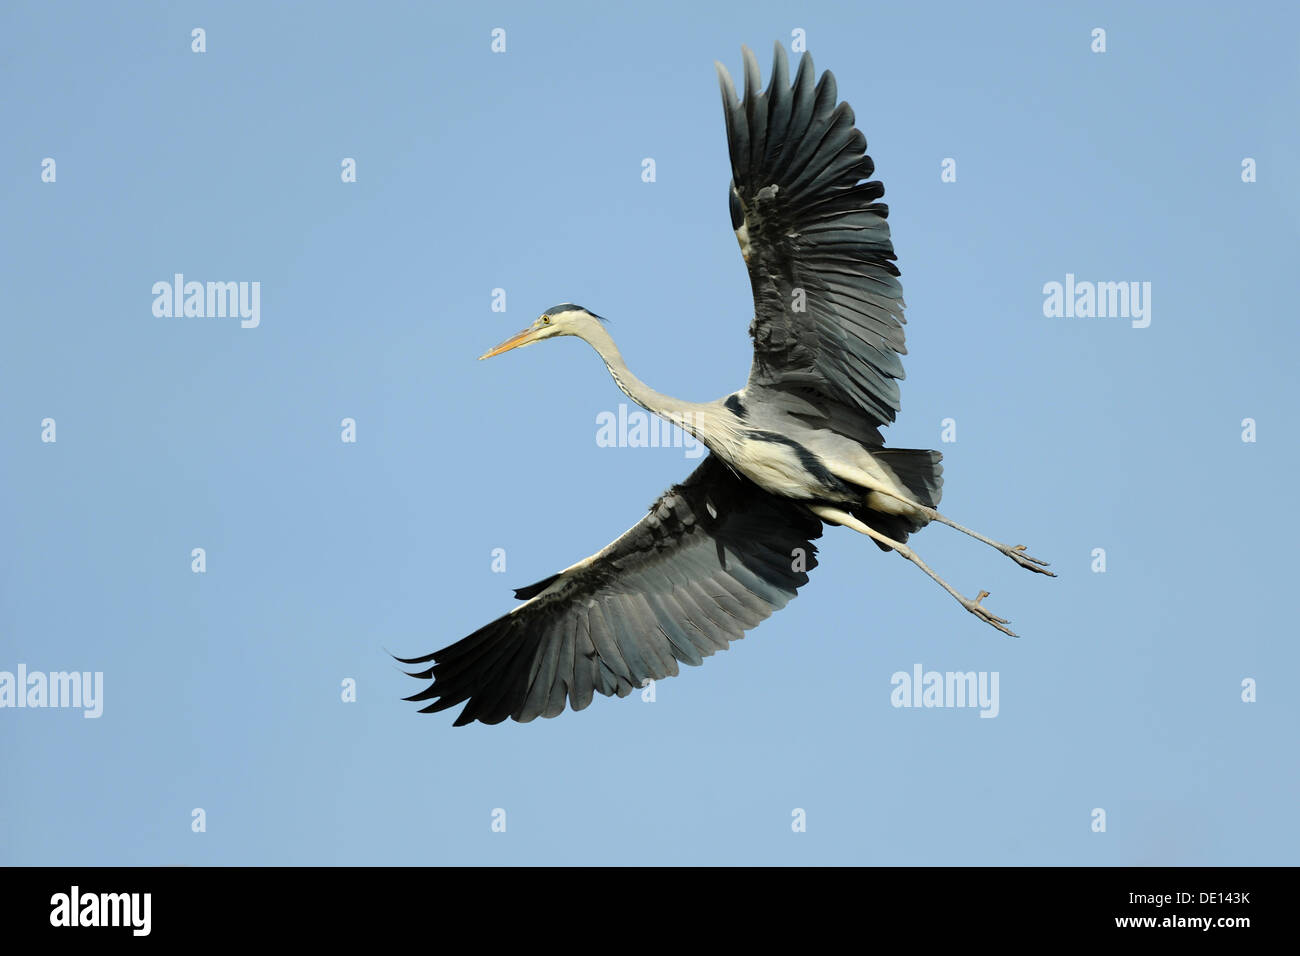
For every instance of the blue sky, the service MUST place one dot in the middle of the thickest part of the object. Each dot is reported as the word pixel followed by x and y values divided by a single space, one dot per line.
pixel 522 171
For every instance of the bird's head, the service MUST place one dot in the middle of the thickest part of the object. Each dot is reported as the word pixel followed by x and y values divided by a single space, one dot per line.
pixel 563 319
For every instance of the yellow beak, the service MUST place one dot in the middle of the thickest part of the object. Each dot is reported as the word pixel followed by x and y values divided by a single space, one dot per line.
pixel 521 338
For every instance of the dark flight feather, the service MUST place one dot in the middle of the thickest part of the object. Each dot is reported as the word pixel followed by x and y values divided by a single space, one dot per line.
pixel 797 165
pixel 678 586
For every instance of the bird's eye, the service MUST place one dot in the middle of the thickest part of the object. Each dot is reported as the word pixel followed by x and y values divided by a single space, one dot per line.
pixel 546 320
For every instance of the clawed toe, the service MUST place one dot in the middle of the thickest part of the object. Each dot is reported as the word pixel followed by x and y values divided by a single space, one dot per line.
pixel 1017 554
pixel 984 614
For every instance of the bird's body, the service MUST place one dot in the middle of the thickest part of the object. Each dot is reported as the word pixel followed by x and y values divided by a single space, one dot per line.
pixel 797 447
pixel 783 454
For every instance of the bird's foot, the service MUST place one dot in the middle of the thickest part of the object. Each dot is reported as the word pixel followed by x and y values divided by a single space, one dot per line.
pixel 984 614
pixel 1017 554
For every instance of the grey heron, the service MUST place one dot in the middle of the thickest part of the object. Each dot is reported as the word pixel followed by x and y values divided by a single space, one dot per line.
pixel 797 448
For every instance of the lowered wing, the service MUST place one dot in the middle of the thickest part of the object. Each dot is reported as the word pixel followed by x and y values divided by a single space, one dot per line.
pixel 714 556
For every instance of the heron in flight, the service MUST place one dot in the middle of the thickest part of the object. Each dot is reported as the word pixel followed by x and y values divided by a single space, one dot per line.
pixel 797 448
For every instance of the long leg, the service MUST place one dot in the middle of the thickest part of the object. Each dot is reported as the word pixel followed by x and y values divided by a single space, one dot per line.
pixel 975 607
pixel 1016 553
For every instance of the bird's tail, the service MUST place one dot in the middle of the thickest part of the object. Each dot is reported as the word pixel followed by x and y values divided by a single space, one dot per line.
pixel 917 470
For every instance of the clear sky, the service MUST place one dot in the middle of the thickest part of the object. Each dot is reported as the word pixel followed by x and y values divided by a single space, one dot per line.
pixel 523 171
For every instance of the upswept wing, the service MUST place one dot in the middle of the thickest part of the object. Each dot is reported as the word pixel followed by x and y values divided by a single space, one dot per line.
pixel 714 556
pixel 828 306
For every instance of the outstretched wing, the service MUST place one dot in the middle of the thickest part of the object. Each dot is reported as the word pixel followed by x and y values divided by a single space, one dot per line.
pixel 828 306
pixel 714 556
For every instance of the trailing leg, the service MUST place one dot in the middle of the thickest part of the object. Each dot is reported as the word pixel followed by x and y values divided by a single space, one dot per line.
pixel 1016 553
pixel 974 606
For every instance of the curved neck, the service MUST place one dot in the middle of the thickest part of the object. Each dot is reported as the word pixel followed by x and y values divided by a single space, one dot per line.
pixel 684 414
